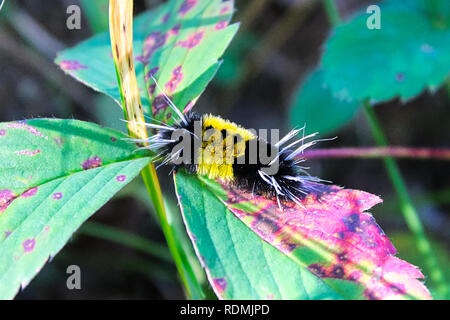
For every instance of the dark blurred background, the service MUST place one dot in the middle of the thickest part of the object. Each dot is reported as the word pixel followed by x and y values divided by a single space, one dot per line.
pixel 279 43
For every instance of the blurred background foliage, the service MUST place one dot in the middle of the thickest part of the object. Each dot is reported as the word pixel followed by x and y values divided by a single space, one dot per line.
pixel 268 80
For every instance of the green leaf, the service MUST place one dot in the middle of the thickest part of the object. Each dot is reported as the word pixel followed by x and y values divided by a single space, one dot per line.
pixel 54 174
pixel 107 114
pixel 182 40
pixel 312 100
pixel 411 52
pixel 239 265
pixel 333 237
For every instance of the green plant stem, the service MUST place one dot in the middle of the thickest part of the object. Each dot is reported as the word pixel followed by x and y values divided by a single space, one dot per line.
pixel 435 198
pixel 408 210
pixel 333 13
pixel 250 13
pixel 278 35
pixel 121 35
pixel 272 41
pixel 97 14
pixel 380 152
pixel 125 238
pixel 192 287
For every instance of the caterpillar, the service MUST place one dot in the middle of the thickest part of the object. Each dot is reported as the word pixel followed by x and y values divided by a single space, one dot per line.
pixel 220 149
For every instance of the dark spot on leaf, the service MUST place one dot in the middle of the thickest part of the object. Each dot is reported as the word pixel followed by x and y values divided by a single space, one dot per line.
pixel 159 104
pixel 151 89
pixel 91 163
pixel 24 126
pixel 57 195
pixel 165 18
pixel 371 295
pixel 220 284
pixel 153 42
pixel 121 178
pixel 192 41
pixel 355 276
pixel 265 226
pixel 177 76
pixel 368 240
pixel 224 9
pixel 351 222
pixel 398 288
pixel 30 192
pixel 337 272
pixel 399 77
pixel 343 256
pixel 141 59
pixel 71 65
pixel 6 197
pixel 221 25
pixel 28 245
pixel 186 6
pixel 340 235
pixel 29 153
pixel 317 270
pixel 176 29
pixel 151 73
pixel 287 247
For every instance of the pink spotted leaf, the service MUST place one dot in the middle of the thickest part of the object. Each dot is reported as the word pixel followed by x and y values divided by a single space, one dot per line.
pixel 54 174
pixel 179 43
pixel 334 237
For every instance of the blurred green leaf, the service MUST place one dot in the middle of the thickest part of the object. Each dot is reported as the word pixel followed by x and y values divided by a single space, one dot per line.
pixel 313 104
pixel 233 66
pixel 97 14
pixel 411 52
pixel 54 174
pixel 238 263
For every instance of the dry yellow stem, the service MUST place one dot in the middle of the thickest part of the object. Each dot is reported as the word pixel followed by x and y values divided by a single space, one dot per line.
pixel 121 32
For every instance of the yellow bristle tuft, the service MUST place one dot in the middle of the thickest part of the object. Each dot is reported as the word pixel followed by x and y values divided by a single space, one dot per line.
pixel 216 160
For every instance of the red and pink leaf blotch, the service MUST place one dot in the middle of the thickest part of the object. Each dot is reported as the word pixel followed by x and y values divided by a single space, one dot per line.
pixel 334 237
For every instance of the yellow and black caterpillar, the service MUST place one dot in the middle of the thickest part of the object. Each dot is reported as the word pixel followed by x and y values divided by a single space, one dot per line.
pixel 211 146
